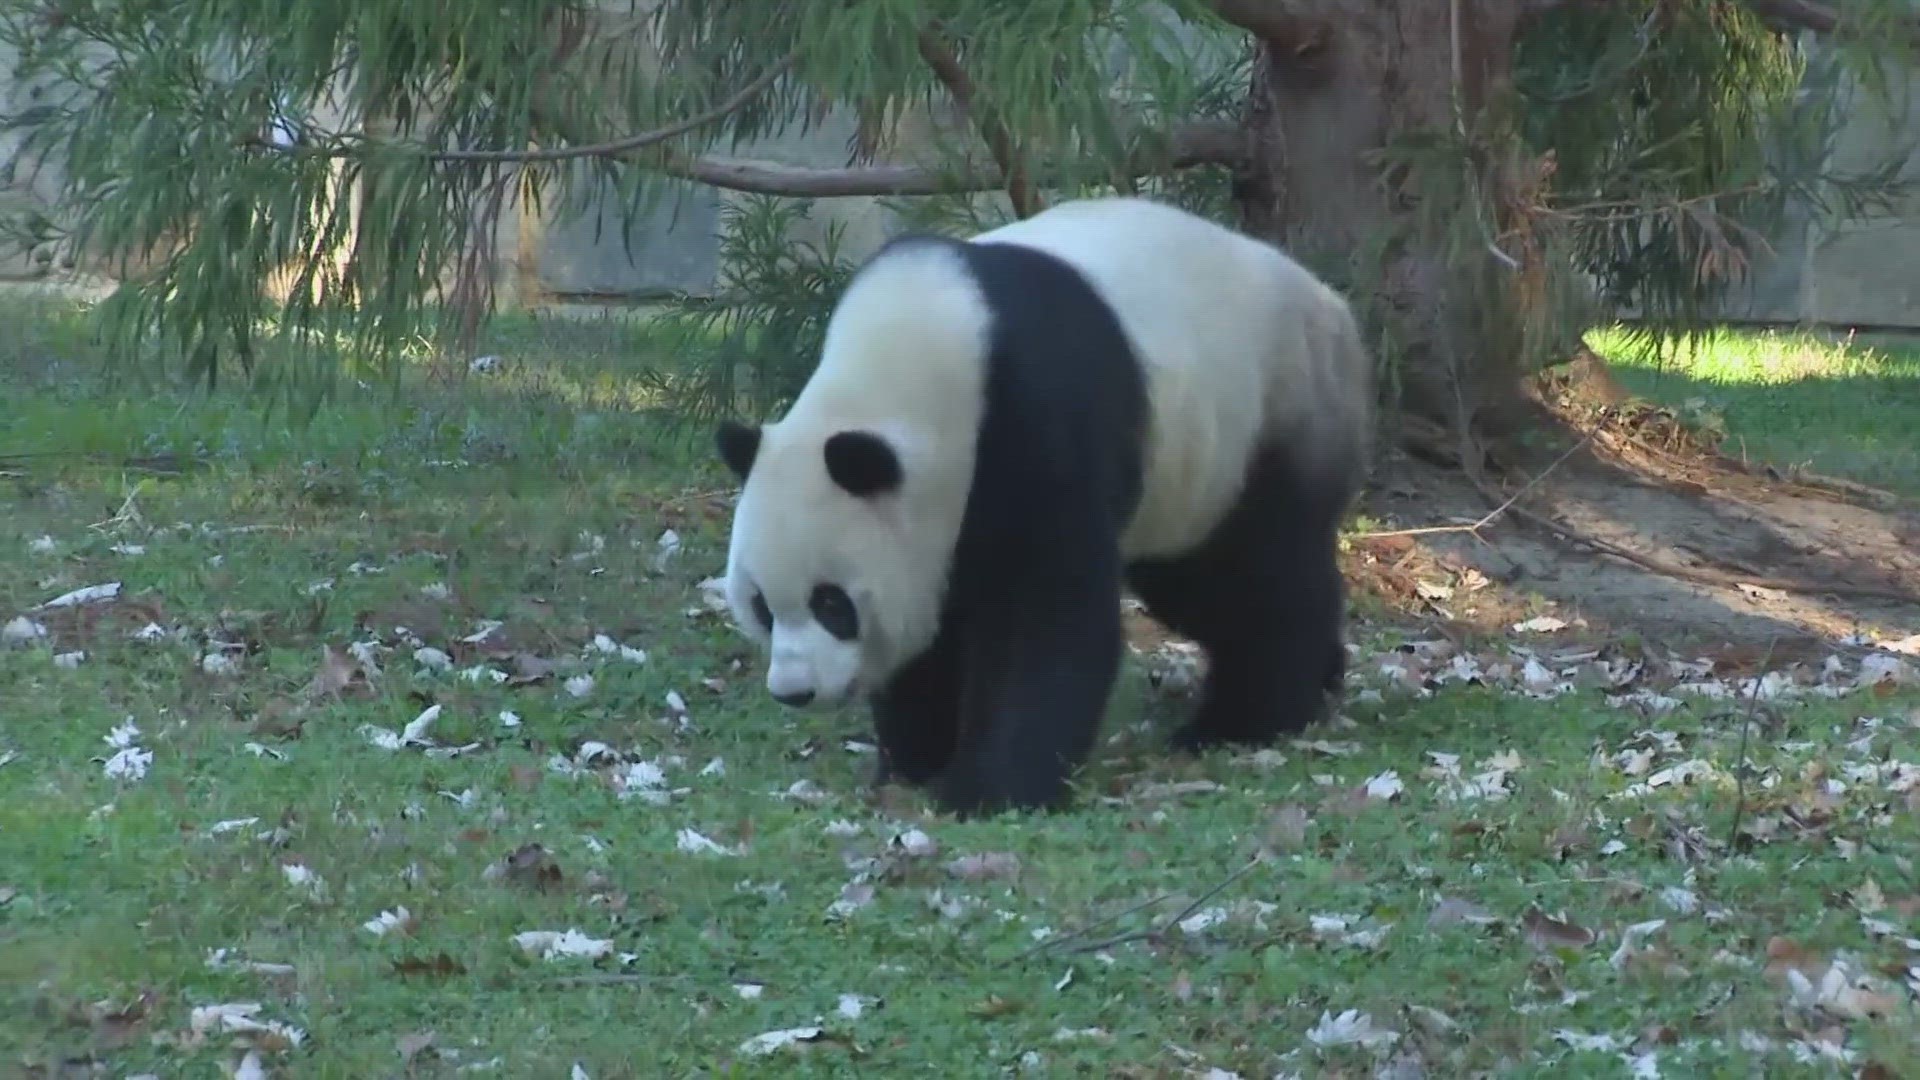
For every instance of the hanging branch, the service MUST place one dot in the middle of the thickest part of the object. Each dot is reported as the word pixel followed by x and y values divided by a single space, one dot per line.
pixel 355 147
pixel 1013 170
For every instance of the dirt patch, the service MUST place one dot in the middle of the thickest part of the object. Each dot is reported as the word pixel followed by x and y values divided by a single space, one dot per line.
pixel 1632 527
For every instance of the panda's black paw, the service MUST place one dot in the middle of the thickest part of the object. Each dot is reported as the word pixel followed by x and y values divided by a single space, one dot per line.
pixel 888 770
pixel 973 788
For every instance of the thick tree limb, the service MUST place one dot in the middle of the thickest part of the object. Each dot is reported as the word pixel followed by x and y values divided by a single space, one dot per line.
pixel 1289 24
pixel 1013 169
pixel 1198 143
pixel 1802 13
pixel 1824 18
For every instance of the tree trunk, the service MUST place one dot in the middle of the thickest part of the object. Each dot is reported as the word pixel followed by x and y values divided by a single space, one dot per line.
pixel 1320 108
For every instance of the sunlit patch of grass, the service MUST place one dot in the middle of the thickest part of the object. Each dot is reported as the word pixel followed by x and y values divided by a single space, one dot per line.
pixel 1840 407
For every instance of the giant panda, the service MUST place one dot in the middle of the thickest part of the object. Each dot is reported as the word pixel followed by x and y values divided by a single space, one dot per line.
pixel 1002 433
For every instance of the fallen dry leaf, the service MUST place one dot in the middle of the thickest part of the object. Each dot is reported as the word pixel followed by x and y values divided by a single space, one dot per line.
pixel 529 866
pixel 410 1045
pixel 1287 828
pixel 337 673
pixel 772 1041
pixel 438 966
pixel 993 1007
pixel 1451 911
pixel 556 944
pixel 988 866
pixel 529 669
pixel 1543 931
pixel 1785 954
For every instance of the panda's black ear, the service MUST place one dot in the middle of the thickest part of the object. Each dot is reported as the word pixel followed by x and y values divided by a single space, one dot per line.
pixel 862 463
pixel 738 445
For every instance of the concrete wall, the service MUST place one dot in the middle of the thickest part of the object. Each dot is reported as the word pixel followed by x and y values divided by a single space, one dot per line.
pixel 1857 272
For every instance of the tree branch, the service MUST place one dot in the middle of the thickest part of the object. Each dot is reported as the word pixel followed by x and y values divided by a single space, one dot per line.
pixel 613 148
pixel 1801 13
pixel 1278 22
pixel 947 68
pixel 1197 143
pixel 1825 18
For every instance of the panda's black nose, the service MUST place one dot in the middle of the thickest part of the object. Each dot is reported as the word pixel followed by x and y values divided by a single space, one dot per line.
pixel 798 699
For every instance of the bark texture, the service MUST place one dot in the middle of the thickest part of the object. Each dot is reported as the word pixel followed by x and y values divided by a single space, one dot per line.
pixel 1323 101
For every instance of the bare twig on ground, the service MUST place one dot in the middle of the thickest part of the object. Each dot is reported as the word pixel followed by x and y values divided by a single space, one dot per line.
pixel 1491 515
pixel 1075 941
pixel 1740 764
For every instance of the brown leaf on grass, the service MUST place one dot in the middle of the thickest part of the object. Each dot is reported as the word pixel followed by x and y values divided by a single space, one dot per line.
pixel 1543 931
pixel 1860 1003
pixel 73 625
pixel 1567 839
pixel 527 669
pixel 425 619
pixel 501 641
pixel 114 1026
pixel 438 966
pixel 1287 828
pixel 278 719
pixel 338 673
pixel 987 866
pixel 529 866
pixel 993 1008
pixel 1451 911
pixel 410 1045
pixel 1785 954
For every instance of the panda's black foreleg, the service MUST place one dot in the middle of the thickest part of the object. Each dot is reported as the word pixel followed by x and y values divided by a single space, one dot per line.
pixel 1040 666
pixel 916 716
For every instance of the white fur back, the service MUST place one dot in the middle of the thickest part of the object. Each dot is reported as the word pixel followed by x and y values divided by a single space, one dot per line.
pixel 1238 341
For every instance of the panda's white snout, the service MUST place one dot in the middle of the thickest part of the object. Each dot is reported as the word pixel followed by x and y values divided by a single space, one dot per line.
pixel 808 667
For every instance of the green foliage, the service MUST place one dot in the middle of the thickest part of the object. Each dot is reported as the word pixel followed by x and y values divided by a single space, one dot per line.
pixel 1677 133
pixel 165 116
pixel 749 348
pixel 1682 135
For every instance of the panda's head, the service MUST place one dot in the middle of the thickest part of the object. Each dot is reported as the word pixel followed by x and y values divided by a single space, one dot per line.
pixel 822 570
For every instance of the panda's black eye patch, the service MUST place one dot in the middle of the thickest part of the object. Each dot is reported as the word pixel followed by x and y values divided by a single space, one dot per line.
pixel 833 609
pixel 761 611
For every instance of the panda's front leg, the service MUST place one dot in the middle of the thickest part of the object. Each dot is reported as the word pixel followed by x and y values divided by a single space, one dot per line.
pixel 916 715
pixel 1040 665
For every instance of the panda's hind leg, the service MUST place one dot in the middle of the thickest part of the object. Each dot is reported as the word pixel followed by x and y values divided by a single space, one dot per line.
pixel 1263 597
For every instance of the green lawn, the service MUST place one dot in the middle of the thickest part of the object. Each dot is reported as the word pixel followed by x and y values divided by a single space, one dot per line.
pixel 202 848
pixel 1843 408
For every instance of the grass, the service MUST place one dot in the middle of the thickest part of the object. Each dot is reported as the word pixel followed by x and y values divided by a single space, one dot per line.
pixel 1839 407
pixel 270 826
